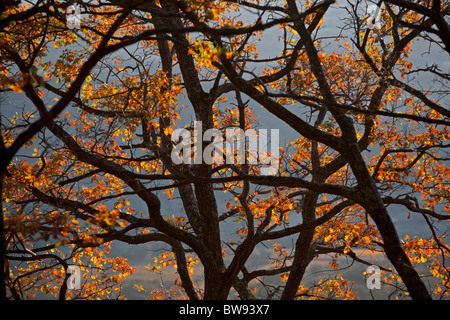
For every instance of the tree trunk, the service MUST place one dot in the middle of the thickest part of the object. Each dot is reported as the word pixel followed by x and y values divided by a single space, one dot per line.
pixel 376 209
pixel 2 243
pixel 303 255
pixel 4 161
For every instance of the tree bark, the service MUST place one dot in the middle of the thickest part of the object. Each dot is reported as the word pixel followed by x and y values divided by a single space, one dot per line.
pixel 2 240
pixel 391 242
pixel 303 255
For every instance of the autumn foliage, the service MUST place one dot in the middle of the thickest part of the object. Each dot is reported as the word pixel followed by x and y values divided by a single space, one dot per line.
pixel 86 157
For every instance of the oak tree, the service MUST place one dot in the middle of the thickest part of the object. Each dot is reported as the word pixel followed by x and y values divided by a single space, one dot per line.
pixel 87 161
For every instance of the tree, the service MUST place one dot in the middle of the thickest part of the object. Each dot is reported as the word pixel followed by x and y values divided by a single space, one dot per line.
pixel 26 33
pixel 364 140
